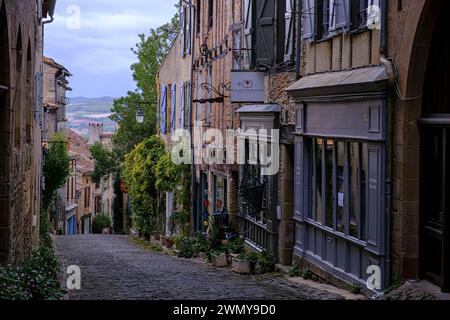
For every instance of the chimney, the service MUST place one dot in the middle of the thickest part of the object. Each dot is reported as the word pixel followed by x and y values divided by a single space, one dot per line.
pixel 95 132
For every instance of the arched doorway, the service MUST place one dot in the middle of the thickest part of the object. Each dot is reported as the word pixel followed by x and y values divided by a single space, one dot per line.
pixel 4 134
pixel 434 126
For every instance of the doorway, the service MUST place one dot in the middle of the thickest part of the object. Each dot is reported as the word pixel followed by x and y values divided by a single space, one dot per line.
pixel 435 244
pixel 435 159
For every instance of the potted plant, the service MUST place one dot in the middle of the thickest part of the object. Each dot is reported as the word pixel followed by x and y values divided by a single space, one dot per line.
pixel 168 242
pixel 219 259
pixel 241 264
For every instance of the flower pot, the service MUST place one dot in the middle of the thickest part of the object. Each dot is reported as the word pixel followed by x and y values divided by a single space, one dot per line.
pixel 202 255
pixel 219 261
pixel 258 269
pixel 241 266
pixel 157 237
pixel 168 243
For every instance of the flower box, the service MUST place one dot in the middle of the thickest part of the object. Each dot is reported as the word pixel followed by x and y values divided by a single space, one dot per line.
pixel 241 266
pixel 220 260
pixel 168 243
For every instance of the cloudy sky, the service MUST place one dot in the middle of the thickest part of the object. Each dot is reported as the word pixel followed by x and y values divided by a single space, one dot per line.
pixel 96 48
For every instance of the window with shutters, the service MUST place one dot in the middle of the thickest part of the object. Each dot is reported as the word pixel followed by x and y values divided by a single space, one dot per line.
pixel 173 99
pixel 325 18
pixel 265 32
pixel 208 94
pixel 198 17
pixel 163 113
pixel 183 31
pixel 289 40
pixel 358 11
pixel 210 13
pixel 249 34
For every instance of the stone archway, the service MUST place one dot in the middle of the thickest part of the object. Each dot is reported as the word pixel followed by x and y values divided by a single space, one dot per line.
pixel 5 135
pixel 412 58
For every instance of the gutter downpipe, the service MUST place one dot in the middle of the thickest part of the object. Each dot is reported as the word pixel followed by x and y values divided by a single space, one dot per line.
pixel 191 105
pixel 391 72
pixel 298 60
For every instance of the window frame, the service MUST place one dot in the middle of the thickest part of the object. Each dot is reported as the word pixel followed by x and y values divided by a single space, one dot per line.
pixel 362 201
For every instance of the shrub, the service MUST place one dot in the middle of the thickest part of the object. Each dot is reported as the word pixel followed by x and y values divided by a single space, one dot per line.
pixel 100 222
pixel 268 261
pixel 186 248
pixel 295 271
pixel 36 279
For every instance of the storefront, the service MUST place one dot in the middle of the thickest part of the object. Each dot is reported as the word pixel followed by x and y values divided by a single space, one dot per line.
pixel 258 191
pixel 340 173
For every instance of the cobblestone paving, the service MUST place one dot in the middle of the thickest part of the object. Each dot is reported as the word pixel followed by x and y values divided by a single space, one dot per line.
pixel 113 268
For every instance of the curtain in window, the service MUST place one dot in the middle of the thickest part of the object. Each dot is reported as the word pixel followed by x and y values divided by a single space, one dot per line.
pixel 182 88
pixel 174 108
pixel 188 29
pixel 164 110
pixel 182 31
pixel 340 14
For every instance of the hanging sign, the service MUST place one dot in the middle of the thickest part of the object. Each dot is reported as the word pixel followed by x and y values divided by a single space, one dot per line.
pixel 247 87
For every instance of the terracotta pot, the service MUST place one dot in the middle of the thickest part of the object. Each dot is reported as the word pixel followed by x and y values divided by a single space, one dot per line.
pixel 168 243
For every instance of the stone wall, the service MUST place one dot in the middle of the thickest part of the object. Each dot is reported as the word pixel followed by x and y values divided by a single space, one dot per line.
pixel 20 132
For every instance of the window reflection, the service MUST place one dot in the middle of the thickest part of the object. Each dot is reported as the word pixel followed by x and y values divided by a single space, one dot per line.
pixel 340 198
pixel 318 152
pixel 329 161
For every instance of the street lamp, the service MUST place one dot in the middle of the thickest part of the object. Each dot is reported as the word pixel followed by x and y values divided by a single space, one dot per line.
pixel 140 116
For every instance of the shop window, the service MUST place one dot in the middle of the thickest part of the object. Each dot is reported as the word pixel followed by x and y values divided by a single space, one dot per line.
pixel 220 194
pixel 338 180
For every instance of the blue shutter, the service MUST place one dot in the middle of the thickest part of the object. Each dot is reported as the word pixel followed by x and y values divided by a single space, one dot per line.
pixel 182 106
pixel 309 31
pixel 174 108
pixel 183 27
pixel 163 110
pixel 189 29
pixel 37 106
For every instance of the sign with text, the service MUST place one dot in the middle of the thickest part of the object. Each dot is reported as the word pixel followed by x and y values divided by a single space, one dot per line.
pixel 247 87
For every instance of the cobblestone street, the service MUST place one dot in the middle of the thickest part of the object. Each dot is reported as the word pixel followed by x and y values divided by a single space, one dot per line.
pixel 113 268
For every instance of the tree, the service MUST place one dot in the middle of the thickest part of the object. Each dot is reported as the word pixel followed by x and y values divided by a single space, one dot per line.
pixel 150 52
pixel 105 164
pixel 56 169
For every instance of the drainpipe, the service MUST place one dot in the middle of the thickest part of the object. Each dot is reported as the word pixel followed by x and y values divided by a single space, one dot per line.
pixel 191 105
pixel 298 60
pixel 391 71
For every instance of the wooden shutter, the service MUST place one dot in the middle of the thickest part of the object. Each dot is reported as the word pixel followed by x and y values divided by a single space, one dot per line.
pixel 188 25
pixel 182 32
pixel 164 110
pixel 265 17
pixel 37 106
pixel 341 13
pixel 309 19
pixel 174 108
pixel 290 28
pixel 182 106
pixel 249 32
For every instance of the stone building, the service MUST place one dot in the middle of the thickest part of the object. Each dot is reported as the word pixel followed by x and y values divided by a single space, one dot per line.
pixel 55 86
pixel 103 192
pixel 79 148
pixel 418 45
pixel 370 134
pixel 21 47
pixel 174 82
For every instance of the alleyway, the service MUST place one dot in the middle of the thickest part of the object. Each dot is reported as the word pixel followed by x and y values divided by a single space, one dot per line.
pixel 113 268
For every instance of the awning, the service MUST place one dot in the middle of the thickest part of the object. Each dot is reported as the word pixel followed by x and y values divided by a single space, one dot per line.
pixel 260 108
pixel 373 79
pixel 72 207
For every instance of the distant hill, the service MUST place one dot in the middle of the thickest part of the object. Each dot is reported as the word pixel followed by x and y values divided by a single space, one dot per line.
pixel 83 111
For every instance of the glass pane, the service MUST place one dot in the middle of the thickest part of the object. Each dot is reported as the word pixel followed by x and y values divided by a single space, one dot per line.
pixel 364 168
pixel 318 178
pixel 340 162
pixel 329 161
pixel 354 149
